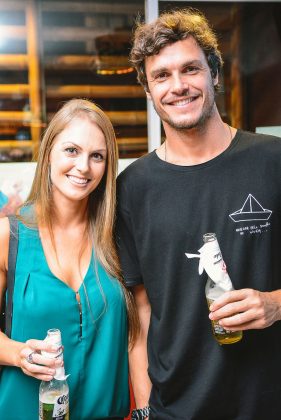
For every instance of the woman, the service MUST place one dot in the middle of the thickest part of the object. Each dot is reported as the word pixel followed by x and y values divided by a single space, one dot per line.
pixel 67 275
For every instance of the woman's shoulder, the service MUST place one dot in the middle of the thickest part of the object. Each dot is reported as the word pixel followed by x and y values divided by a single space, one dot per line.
pixel 4 228
pixel 4 240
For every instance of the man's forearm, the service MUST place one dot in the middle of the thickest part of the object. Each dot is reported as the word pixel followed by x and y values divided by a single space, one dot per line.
pixel 138 359
pixel 138 373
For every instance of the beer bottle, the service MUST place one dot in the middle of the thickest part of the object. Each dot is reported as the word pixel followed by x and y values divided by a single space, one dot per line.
pixel 54 394
pixel 218 283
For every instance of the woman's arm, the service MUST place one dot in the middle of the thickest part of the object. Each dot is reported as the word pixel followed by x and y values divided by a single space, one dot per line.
pixel 15 353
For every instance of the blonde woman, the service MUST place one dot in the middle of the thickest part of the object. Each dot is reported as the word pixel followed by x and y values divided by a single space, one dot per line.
pixel 67 274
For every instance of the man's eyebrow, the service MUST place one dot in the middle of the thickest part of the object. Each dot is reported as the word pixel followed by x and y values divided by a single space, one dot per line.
pixel 155 72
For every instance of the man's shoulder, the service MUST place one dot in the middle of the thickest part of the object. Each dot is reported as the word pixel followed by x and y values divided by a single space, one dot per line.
pixel 258 143
pixel 259 138
pixel 138 168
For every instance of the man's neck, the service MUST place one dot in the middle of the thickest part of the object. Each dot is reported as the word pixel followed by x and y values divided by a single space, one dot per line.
pixel 196 145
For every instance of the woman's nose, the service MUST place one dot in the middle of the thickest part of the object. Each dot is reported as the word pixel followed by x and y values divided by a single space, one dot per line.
pixel 82 163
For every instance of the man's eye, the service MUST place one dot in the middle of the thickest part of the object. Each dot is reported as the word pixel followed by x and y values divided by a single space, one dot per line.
pixel 191 70
pixel 161 76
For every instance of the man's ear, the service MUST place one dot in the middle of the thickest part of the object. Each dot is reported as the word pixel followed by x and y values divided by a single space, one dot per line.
pixel 148 95
pixel 216 79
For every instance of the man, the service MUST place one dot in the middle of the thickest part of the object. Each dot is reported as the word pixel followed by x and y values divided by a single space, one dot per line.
pixel 205 177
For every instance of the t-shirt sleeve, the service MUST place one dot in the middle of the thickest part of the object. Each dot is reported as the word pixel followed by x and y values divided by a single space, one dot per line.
pixel 126 245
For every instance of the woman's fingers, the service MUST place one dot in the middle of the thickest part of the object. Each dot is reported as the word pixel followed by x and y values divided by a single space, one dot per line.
pixel 33 363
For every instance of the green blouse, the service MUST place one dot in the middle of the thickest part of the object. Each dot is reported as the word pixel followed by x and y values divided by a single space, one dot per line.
pixel 95 341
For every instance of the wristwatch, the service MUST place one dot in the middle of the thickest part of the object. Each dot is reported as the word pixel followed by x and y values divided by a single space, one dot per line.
pixel 140 413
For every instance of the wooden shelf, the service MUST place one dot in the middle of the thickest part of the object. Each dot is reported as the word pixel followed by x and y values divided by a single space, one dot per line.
pixel 96 8
pixel 122 117
pixel 84 62
pixel 15 143
pixel 16 116
pixel 13 61
pixel 95 91
pixel 132 144
pixel 87 35
pixel 77 34
pixel 14 90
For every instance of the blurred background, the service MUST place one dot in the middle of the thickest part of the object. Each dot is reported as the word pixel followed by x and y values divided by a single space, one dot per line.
pixel 51 51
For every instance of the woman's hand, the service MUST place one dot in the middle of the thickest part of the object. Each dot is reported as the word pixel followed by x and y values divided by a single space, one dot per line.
pixel 33 363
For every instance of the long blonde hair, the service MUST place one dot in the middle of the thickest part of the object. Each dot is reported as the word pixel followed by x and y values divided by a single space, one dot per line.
pixel 102 201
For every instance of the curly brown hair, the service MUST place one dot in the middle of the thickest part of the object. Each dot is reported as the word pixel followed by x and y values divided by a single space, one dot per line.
pixel 171 27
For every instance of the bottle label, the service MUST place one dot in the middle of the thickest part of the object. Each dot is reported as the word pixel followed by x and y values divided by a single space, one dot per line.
pixel 212 262
pixel 61 406
pixel 218 329
pixel 57 409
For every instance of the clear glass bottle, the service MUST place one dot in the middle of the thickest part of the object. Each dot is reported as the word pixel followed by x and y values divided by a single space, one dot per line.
pixel 54 394
pixel 218 283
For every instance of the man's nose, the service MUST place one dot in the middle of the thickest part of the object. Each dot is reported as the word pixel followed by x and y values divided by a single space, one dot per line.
pixel 179 84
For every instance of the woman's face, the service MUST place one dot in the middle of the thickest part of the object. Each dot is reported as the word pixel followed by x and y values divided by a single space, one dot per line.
pixel 77 160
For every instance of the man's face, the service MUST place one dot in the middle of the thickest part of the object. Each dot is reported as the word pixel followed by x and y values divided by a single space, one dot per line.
pixel 180 85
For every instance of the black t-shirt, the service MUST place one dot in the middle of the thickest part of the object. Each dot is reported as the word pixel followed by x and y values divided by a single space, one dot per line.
pixel 163 212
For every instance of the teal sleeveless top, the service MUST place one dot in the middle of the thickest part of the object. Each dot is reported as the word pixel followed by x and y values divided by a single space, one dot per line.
pixel 95 342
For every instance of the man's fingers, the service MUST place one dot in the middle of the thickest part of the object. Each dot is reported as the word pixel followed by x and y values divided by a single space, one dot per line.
pixel 229 310
pixel 229 297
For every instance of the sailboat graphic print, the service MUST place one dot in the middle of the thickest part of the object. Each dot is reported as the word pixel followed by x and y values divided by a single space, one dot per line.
pixel 251 210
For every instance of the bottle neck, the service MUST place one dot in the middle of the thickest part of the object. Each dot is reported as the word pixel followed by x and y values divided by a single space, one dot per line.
pixel 209 237
pixel 60 374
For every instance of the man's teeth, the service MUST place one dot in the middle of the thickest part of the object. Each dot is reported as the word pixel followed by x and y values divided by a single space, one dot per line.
pixel 183 102
pixel 78 180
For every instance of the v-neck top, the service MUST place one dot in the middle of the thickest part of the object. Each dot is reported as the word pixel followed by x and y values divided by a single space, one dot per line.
pixel 94 336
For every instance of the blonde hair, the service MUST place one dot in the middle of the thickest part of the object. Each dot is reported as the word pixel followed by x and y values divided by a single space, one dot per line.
pixel 102 201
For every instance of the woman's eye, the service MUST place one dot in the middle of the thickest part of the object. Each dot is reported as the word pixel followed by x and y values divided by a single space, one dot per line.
pixel 71 150
pixel 97 156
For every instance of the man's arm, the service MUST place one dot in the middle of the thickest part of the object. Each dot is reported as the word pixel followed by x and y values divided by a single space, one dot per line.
pixel 247 309
pixel 138 354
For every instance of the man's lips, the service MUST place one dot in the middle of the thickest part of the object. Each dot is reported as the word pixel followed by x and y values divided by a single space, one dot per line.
pixel 181 102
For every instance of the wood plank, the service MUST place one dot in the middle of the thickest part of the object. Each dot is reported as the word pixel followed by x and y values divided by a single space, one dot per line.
pixel 95 91
pixel 122 117
pixel 14 90
pixel 90 7
pixel 84 62
pixel 77 34
pixel 34 75
pixel 15 143
pixel 124 141
pixel 16 116
pixel 13 61
pixel 127 117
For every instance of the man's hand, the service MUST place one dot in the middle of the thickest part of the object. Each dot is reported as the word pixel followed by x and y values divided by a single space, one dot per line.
pixel 246 309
